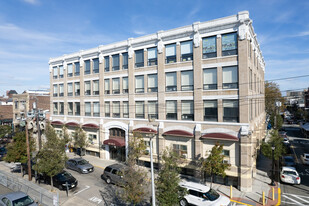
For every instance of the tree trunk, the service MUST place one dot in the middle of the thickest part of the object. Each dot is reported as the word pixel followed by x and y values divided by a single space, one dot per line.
pixel 51 183
pixel 211 180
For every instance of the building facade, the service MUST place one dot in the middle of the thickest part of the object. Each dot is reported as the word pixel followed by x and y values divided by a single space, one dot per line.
pixel 188 88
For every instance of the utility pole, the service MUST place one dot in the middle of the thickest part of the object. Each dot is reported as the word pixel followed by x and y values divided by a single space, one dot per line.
pixel 27 142
pixel 37 122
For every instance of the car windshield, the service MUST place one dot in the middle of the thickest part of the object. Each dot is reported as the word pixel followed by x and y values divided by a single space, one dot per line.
pixel 64 176
pixel 23 201
pixel 82 162
pixel 289 160
pixel 289 173
pixel 212 195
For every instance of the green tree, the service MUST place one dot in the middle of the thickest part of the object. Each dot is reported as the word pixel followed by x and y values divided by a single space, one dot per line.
pixel 137 146
pixel 17 150
pixel 214 164
pixel 51 158
pixel 80 139
pixel 272 94
pixel 276 141
pixel 66 136
pixel 279 120
pixel 168 191
pixel 4 129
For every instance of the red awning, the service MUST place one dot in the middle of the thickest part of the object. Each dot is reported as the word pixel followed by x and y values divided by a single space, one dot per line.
pixel 220 136
pixel 72 124
pixel 57 123
pixel 179 133
pixel 115 142
pixel 145 130
pixel 92 126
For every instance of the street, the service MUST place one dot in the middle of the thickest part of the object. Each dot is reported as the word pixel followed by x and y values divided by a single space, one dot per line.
pixel 297 194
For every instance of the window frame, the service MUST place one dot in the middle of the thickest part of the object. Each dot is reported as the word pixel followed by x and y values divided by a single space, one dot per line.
pixel 171 58
pixel 87 69
pixel 229 51
pixel 95 66
pixel 141 63
pixel 213 51
pixel 211 117
pixel 186 56
pixel 189 87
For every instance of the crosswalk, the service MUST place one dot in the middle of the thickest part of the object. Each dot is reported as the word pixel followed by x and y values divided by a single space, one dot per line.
pixel 292 199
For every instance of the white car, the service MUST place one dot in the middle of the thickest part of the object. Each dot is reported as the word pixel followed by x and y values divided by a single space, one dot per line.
pixel 202 195
pixel 305 158
pixel 289 175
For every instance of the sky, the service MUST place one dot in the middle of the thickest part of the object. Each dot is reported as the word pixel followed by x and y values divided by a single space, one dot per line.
pixel 32 31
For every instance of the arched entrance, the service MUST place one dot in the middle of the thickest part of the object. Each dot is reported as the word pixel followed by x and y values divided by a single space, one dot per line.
pixel 116 143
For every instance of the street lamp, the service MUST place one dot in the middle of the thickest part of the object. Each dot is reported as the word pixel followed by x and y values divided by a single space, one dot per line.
pixel 273 164
pixel 152 173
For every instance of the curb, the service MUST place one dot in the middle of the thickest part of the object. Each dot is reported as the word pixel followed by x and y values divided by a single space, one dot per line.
pixel 99 167
pixel 279 196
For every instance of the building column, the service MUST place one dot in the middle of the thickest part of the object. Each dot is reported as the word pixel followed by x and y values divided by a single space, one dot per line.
pixel 245 166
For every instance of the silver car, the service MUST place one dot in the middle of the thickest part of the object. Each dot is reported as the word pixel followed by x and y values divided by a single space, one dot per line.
pixel 80 165
pixel 16 198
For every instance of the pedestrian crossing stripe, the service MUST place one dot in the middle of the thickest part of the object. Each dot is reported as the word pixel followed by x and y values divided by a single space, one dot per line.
pixel 295 199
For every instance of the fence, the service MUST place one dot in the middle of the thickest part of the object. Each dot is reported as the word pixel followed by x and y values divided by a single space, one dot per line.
pixel 39 194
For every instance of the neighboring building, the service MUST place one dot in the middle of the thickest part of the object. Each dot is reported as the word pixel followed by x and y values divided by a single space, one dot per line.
pixel 295 98
pixel 198 84
pixel 306 98
pixel 8 99
pixel 6 115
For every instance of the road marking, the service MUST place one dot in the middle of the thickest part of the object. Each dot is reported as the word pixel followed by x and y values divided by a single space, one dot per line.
pixel 86 188
pixel 291 199
pixel 95 199
pixel 288 203
pixel 300 198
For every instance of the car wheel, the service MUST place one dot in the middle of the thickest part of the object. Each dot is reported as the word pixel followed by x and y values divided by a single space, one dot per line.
pixel 108 180
pixel 183 202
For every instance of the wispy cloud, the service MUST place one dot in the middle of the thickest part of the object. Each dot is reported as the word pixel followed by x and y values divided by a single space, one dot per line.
pixel 139 32
pixel 302 34
pixel 31 1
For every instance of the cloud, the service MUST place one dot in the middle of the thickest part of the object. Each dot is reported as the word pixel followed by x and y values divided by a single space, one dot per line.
pixel 139 32
pixel 302 34
pixel 33 2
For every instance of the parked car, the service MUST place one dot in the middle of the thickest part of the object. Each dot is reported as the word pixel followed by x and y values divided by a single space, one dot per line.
pixel 288 161
pixel 114 174
pixel 61 180
pixel 16 199
pixel 305 158
pixel 289 175
pixel 286 141
pixel 16 167
pixel 283 134
pixel 3 152
pixel 202 195
pixel 80 165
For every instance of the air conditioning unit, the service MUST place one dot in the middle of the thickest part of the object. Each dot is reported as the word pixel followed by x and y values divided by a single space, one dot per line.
pixel 30 125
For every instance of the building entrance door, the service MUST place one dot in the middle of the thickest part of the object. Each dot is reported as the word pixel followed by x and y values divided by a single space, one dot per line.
pixel 117 152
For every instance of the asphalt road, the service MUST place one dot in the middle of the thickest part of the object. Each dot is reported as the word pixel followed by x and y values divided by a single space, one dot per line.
pixel 297 194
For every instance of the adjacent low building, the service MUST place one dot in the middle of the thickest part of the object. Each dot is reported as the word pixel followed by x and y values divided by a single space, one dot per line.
pixel 188 88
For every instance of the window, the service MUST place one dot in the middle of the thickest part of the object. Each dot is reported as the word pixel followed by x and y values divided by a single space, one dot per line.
pixel 229 44
pixel 171 109
pixel 230 77
pixel 170 53
pixel 210 110
pixel 55 74
pixel 152 83
pixel 16 103
pixel 139 110
pixel 255 82
pixel 230 111
pixel 181 150
pixel 56 108
pixel 70 108
pixel 87 67
pixel 250 79
pixel 153 109
pixel 106 86
pixel 116 85
pixel 77 69
pixel 125 109
pixel 96 109
pixel 61 108
pixel 171 81
pixel 92 137
pixel 95 89
pixel 187 80
pixel 210 79
pixel 152 56
pixel 95 66
pixel 87 108
pixel 55 90
pixel 125 61
pixel 209 47
pixel 106 65
pixel 61 90
pixel 226 154
pixel 139 84
pixel 125 85
pixel 116 109
pixel 107 109
pixel 139 58
pixel 87 88
pixel 115 62
pixel 60 71
pixel 77 88
pixel 77 108
pixel 187 110
pixel 70 70
pixel 70 89
pixel 186 51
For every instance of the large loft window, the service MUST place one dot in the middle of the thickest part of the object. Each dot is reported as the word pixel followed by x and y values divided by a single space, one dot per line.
pixel 153 109
pixel 171 110
pixel 125 109
pixel 115 62
pixel 186 51
pixel 70 108
pixel 55 72
pixel 152 83
pixel 106 64
pixel 70 70
pixel 125 85
pixel 77 108
pixel 171 81
pixel 70 89
pixel 60 72
pixel 77 88
pixel 170 53
pixel 87 108
pixel 152 56
pixel 116 85
pixel 55 109
pixel 209 47
pixel 211 110
pixel 229 44
pixel 230 77
pixel 87 67
pixel 116 109
pixel 95 65
pixel 87 88
pixel 61 108
pixel 230 111
pixel 139 58
pixel 96 109
pixel 107 109
pixel 187 80
pixel 96 86
pixel 139 110
pixel 61 91
pixel 77 68
pixel 139 84
pixel 180 150
pixel 187 110
pixel 125 60
pixel 106 86
pixel 55 90
pixel 210 79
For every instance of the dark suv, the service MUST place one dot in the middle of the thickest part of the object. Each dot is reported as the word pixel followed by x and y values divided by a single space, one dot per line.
pixel 61 180
pixel 114 174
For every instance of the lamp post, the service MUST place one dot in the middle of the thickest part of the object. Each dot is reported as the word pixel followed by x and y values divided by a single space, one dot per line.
pixel 273 164
pixel 152 173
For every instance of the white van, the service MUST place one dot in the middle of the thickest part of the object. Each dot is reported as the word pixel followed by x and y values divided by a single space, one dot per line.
pixel 202 195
